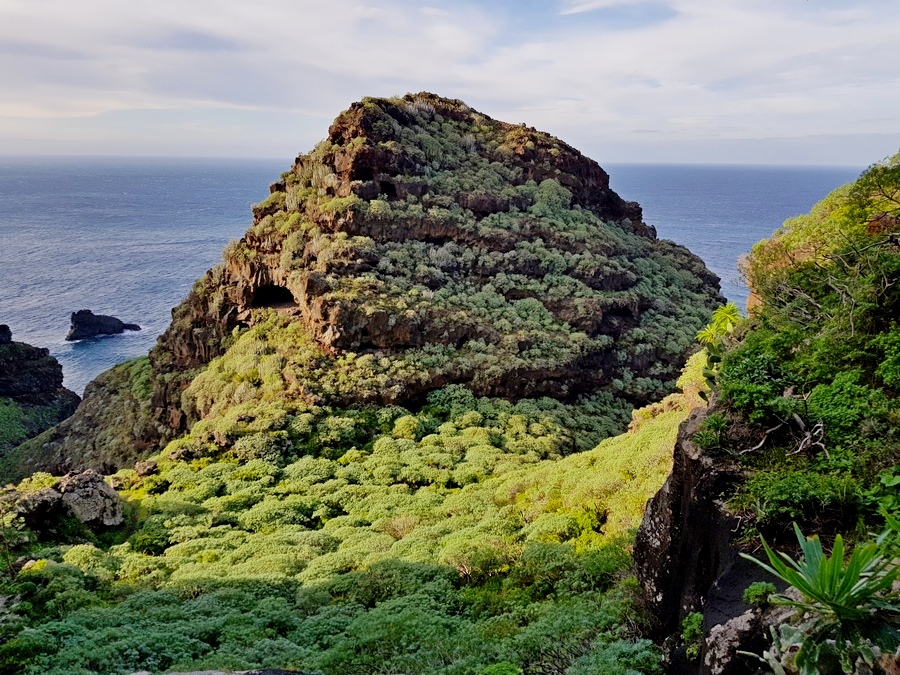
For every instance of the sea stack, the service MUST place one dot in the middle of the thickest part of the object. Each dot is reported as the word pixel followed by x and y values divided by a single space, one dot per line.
pixel 86 324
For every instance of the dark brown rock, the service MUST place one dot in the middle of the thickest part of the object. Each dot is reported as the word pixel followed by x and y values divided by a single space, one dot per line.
pixel 86 324
pixel 112 428
pixel 5 334
pixel 684 542
pixel 31 380
pixel 147 468
pixel 28 373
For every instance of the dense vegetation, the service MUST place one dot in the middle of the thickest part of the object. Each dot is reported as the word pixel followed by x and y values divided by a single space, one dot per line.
pixel 807 407
pixel 386 413
pixel 448 247
pixel 456 539
pixel 812 380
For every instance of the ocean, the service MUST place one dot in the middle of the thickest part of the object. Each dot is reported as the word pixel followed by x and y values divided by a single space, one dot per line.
pixel 128 237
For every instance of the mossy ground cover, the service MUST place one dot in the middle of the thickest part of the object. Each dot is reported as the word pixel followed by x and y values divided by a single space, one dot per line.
pixel 449 539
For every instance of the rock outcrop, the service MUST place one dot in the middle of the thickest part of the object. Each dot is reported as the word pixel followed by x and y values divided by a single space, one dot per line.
pixel 84 496
pixel 31 393
pixel 86 324
pixel 684 542
pixel 455 249
pixel 413 211
pixel 113 427
pixel 90 499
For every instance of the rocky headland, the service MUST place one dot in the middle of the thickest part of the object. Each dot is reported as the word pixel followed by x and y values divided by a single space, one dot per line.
pixel 473 251
pixel 376 438
pixel 32 397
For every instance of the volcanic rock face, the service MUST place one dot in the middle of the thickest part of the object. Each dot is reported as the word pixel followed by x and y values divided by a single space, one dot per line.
pixel 113 427
pixel 31 392
pixel 86 324
pixel 496 252
pixel 433 246
pixel 684 542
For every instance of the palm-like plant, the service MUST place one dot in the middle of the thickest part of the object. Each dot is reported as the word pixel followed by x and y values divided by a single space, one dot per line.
pixel 848 607
pixel 724 320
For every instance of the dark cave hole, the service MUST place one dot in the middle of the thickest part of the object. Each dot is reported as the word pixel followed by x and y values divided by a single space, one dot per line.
pixel 272 296
pixel 363 173
pixel 388 189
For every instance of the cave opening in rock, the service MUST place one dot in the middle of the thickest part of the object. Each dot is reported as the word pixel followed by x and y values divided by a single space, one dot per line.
pixel 272 296
pixel 362 173
pixel 388 189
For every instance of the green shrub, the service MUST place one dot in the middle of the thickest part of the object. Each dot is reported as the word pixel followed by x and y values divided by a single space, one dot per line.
pixel 692 635
pixel 757 593
pixel 848 607
pixel 821 500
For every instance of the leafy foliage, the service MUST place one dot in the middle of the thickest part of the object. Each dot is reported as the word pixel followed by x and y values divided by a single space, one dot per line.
pixel 757 593
pixel 813 372
pixel 848 605
pixel 454 539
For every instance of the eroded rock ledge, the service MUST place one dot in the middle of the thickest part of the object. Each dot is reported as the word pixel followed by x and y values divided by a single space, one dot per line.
pixel 31 390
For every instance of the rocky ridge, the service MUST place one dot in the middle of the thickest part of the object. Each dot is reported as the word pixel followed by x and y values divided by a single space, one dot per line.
pixel 32 397
pixel 412 210
pixel 442 247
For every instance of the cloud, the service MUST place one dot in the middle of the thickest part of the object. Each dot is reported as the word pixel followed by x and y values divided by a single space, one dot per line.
pixel 597 72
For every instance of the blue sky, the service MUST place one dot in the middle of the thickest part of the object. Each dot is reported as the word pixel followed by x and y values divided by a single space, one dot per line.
pixel 730 81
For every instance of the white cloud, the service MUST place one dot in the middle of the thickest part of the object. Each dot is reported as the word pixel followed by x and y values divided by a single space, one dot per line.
pixel 703 72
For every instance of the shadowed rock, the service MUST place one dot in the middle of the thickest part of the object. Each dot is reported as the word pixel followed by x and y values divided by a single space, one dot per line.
pixel 83 495
pixel 31 391
pixel 86 324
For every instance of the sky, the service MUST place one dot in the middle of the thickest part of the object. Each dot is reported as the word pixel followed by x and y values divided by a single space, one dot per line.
pixel 673 81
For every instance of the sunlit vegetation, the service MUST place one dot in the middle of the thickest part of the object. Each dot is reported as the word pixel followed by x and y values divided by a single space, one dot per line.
pixel 399 394
pixel 814 370
pixel 450 540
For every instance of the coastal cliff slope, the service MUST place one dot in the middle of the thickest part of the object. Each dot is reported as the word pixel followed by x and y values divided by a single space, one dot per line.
pixel 802 428
pixel 436 246
pixel 32 397
pixel 382 425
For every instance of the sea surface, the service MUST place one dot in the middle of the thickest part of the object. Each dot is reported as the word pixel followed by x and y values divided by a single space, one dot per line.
pixel 720 212
pixel 128 237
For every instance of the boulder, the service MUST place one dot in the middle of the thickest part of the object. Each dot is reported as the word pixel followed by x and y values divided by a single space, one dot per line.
pixel 90 499
pixel 84 496
pixel 86 324
pixel 5 334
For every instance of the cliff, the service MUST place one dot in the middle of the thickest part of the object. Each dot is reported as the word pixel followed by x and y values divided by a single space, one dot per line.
pixel 422 222
pixel 113 426
pixel 383 424
pixel 803 425
pixel 32 397
pixel 448 248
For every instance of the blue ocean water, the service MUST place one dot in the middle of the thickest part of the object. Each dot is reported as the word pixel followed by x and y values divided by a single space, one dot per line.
pixel 128 237
pixel 720 212
pixel 125 237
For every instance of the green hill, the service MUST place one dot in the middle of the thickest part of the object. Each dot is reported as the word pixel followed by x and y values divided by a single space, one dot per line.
pixel 382 426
